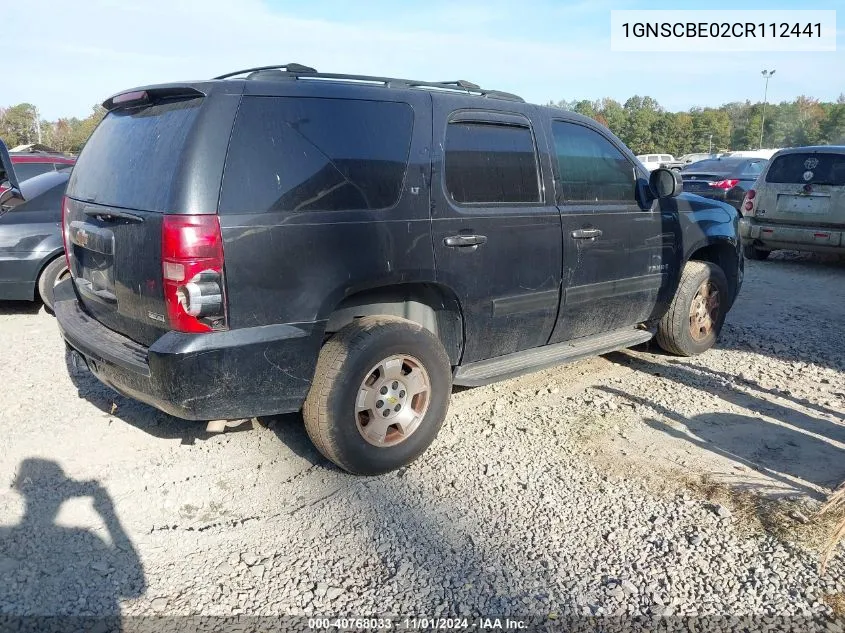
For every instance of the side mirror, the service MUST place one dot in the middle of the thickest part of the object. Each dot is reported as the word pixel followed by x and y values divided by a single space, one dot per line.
pixel 9 198
pixel 7 170
pixel 10 189
pixel 665 183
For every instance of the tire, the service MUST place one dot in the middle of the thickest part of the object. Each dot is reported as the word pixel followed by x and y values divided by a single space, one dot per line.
pixel 351 368
pixel 752 252
pixel 675 330
pixel 50 276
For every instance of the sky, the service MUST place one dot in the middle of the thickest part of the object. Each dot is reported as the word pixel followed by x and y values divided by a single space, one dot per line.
pixel 67 56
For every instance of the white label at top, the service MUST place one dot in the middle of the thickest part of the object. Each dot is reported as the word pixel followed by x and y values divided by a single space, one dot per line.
pixel 722 31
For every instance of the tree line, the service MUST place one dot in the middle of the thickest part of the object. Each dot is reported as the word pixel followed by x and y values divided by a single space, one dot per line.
pixel 641 123
pixel 644 126
pixel 21 125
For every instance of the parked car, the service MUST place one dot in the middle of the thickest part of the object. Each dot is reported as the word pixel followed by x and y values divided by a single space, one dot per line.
pixel 31 251
pixel 31 164
pixel 725 178
pixel 654 161
pixel 797 203
pixel 687 159
pixel 752 153
pixel 353 246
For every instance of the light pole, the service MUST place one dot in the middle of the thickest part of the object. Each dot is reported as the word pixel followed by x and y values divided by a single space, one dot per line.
pixel 710 148
pixel 767 74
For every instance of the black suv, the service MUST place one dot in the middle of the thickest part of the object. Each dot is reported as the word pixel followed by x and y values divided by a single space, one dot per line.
pixel 353 246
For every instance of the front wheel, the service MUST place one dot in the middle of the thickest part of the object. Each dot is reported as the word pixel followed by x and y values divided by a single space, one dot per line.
pixel 380 394
pixel 52 274
pixel 697 312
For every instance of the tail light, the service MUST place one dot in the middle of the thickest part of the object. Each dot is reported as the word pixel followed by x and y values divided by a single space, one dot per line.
pixel 192 265
pixel 65 231
pixel 749 203
pixel 723 184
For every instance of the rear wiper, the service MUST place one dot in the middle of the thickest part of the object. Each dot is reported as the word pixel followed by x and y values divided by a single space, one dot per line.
pixel 114 214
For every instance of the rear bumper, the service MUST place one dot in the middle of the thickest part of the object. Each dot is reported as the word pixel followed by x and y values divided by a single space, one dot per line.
pixel 774 236
pixel 223 375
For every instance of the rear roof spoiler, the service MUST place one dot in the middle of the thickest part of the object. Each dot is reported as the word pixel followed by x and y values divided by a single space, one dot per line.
pixel 147 96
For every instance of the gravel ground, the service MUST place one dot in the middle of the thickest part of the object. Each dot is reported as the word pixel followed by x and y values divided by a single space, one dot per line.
pixel 635 483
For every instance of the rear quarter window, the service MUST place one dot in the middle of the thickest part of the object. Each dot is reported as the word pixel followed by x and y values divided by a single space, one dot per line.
pixel 808 168
pixel 133 157
pixel 311 154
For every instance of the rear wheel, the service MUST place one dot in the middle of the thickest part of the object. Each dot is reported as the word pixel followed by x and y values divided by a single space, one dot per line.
pixel 52 274
pixel 697 312
pixel 380 394
pixel 752 252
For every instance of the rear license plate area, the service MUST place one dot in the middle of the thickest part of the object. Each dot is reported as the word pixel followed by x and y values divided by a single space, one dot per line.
pixel 92 261
pixel 803 205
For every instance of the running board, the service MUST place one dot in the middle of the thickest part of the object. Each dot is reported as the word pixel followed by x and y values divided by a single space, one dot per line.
pixel 511 365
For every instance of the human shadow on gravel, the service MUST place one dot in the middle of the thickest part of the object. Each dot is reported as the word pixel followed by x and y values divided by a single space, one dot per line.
pixel 53 570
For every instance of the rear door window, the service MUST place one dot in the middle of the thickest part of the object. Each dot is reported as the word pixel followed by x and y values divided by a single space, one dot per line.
pixel 491 163
pixel 133 157
pixel 591 168
pixel 808 168
pixel 310 154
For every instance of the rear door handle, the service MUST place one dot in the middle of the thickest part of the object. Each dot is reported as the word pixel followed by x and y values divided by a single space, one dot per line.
pixel 586 234
pixel 461 241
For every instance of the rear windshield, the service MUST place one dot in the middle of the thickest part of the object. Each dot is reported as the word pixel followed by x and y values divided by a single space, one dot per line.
pixel 132 158
pixel 814 169
pixel 310 154
pixel 714 166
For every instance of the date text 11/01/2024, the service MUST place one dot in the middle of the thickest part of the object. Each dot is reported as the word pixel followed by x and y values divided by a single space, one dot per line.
pixel 418 623
pixel 722 29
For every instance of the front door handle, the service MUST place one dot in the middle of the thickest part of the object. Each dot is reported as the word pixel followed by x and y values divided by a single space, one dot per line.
pixel 461 241
pixel 586 234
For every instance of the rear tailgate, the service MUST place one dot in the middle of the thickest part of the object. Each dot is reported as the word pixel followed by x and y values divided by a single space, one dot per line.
pixel 805 188
pixel 134 170
pixel 115 260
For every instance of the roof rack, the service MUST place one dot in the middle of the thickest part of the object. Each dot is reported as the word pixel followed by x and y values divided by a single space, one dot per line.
pixel 299 71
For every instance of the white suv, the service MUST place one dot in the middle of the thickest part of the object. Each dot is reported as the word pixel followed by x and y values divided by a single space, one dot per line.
pixel 653 161
pixel 797 203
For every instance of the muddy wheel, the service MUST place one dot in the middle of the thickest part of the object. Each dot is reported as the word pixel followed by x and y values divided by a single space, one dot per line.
pixel 380 393
pixel 697 312
pixel 52 274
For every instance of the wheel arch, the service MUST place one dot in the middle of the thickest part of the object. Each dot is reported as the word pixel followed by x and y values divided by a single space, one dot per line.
pixel 723 253
pixel 433 306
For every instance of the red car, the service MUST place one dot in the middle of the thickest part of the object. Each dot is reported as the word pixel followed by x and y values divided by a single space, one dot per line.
pixel 30 164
